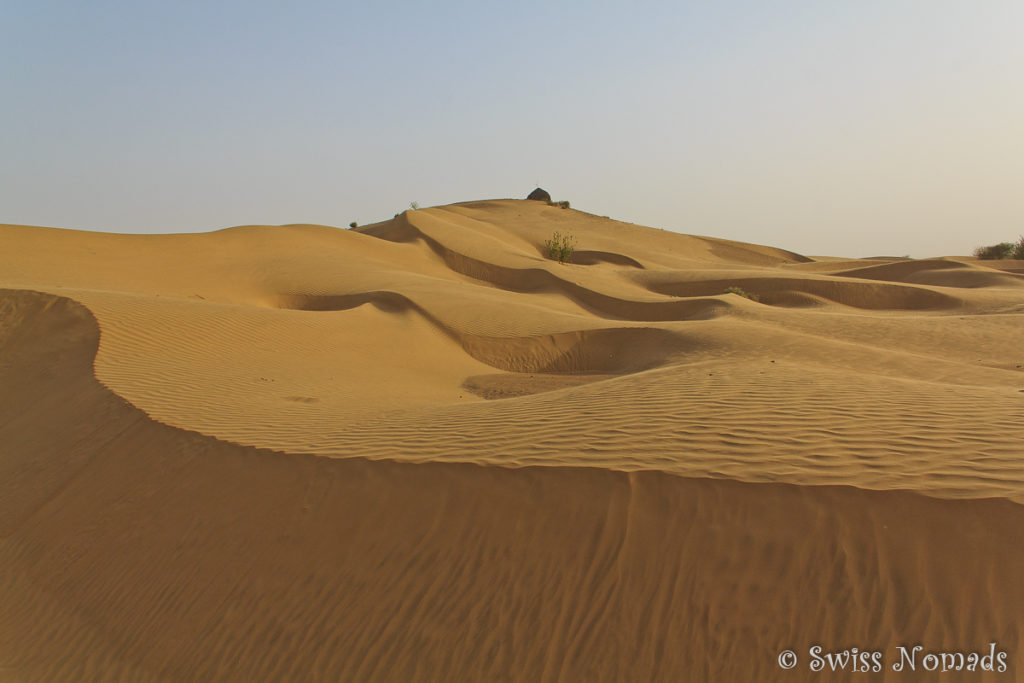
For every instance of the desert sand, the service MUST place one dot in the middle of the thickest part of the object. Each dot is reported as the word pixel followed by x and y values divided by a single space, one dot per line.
pixel 421 450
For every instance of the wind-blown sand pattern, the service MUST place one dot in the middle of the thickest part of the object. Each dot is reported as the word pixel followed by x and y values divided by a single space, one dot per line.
pixel 420 450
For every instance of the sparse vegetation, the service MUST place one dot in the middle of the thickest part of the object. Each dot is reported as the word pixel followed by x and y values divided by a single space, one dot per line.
pixel 1018 248
pixel 353 225
pixel 1000 251
pixel 564 204
pixel 739 291
pixel 561 247
pixel 414 205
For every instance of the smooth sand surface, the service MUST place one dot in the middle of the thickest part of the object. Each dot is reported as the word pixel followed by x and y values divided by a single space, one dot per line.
pixel 420 450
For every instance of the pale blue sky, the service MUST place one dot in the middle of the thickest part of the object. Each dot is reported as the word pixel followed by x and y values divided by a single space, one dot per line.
pixel 845 128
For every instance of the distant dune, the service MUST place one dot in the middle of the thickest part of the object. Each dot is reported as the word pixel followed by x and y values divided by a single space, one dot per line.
pixel 422 451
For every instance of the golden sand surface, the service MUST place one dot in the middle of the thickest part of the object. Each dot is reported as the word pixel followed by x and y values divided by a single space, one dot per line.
pixel 422 450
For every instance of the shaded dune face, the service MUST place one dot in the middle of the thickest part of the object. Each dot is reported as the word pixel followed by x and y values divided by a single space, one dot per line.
pixel 610 350
pixel 532 278
pixel 937 272
pixel 792 290
pixel 601 305
pixel 774 290
pixel 133 550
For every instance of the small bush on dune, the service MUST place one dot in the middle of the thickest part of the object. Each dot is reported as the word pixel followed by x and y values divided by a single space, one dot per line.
pixel 564 204
pixel 1018 249
pixel 740 292
pixel 997 251
pixel 561 247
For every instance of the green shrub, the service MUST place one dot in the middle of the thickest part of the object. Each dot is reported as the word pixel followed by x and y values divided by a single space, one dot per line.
pixel 353 225
pixel 996 251
pixel 564 204
pixel 738 291
pixel 561 247
pixel 1018 249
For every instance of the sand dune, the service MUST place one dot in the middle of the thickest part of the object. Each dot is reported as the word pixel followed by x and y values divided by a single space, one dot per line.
pixel 937 272
pixel 420 450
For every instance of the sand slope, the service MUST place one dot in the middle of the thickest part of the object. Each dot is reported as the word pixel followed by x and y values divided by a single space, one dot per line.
pixel 422 451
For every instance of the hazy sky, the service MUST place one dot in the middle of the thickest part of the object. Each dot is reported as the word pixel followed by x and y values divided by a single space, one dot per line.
pixel 848 128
